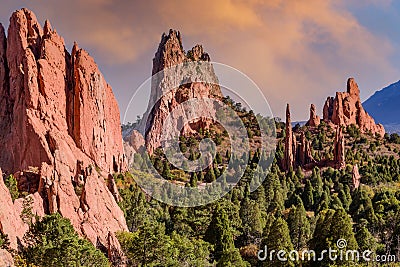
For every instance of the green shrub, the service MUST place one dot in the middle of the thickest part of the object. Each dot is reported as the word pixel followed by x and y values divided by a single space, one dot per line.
pixel 52 241
pixel 11 184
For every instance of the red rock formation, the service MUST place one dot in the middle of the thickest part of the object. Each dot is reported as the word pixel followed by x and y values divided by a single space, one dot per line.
pixel 356 178
pixel 136 140
pixel 59 117
pixel 165 97
pixel 338 152
pixel 314 120
pixel 304 155
pixel 328 109
pixel 346 109
pixel 10 221
pixel 289 157
pixel 6 258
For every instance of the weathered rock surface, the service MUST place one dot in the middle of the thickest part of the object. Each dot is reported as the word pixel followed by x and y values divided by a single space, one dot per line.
pixel 10 221
pixel 289 157
pixel 297 151
pixel 314 120
pixel 136 140
pixel 304 154
pixel 60 118
pixel 338 151
pixel 6 259
pixel 346 109
pixel 167 92
pixel 356 177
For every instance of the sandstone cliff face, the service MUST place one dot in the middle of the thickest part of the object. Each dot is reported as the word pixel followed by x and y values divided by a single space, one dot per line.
pixel 346 109
pixel 10 221
pixel 59 117
pixel 166 97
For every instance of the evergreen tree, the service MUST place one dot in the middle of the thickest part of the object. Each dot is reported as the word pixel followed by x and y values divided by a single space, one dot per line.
pixel 341 228
pixel 251 221
pixel 52 241
pixel 220 233
pixel 11 184
pixel 278 239
pixel 308 196
pixel 365 240
pixel 193 180
pixel 166 171
pixel 299 227
pixel 210 175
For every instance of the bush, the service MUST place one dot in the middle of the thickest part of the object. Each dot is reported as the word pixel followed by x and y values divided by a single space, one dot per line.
pixel 4 241
pixel 394 138
pixel 52 241
pixel 353 131
pixel 11 184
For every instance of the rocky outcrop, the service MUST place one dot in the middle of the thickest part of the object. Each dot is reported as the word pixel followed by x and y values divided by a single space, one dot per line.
pixel 314 120
pixel 296 152
pixel 356 178
pixel 59 118
pixel 338 151
pixel 328 109
pixel 6 258
pixel 304 154
pixel 289 157
pixel 136 140
pixel 167 92
pixel 346 109
pixel 10 221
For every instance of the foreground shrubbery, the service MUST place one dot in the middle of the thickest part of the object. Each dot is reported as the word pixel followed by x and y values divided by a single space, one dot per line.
pixel 52 241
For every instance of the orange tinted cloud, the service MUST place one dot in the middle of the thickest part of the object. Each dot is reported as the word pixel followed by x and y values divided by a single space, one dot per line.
pixel 296 51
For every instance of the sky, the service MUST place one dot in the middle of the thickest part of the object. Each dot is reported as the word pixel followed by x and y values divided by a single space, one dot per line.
pixel 297 52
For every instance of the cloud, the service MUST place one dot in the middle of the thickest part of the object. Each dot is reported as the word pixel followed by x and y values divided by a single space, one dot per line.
pixel 296 51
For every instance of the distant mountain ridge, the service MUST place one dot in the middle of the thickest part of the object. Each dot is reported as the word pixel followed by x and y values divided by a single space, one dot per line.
pixel 384 107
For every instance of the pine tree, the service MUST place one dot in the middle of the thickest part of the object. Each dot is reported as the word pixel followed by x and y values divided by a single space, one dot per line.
pixel 365 240
pixel 52 241
pixel 166 171
pixel 210 175
pixel 320 239
pixel 278 239
pixel 316 182
pixel 342 228
pixel 201 176
pixel 251 221
pixel 308 196
pixel 193 180
pixel 220 233
pixel 299 227
pixel 11 184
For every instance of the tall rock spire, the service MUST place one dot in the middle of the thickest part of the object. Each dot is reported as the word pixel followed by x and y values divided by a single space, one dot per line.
pixel 304 155
pixel 289 157
pixel 314 120
pixel 355 177
pixel 170 87
pixel 339 152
